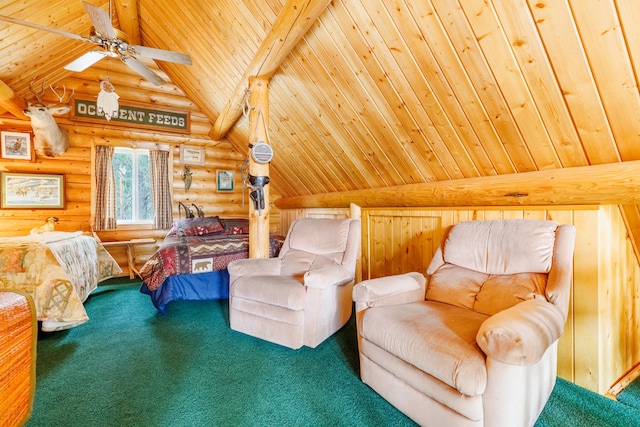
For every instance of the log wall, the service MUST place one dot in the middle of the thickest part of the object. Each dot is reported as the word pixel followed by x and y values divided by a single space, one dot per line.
pixel 600 343
pixel 77 166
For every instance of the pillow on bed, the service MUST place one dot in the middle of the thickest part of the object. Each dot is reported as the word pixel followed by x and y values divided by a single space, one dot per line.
pixel 173 231
pixel 235 225
pixel 199 226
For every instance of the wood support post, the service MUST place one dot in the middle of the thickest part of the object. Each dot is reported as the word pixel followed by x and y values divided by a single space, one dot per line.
pixel 293 22
pixel 128 18
pixel 258 125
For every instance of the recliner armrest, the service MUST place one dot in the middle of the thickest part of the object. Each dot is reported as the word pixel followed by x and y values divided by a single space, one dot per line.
pixel 324 277
pixel 254 266
pixel 390 290
pixel 521 334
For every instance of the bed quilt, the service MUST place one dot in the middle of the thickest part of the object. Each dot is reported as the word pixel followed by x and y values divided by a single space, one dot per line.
pixel 198 254
pixel 59 270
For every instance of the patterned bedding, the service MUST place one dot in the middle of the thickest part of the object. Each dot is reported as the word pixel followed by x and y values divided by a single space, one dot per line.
pixel 198 254
pixel 59 270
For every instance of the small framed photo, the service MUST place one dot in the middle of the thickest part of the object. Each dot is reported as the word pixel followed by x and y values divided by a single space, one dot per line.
pixel 15 145
pixel 191 155
pixel 225 180
pixel 32 191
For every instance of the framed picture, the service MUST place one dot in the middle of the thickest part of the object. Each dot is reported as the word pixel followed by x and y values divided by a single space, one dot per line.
pixel 225 180
pixel 15 145
pixel 32 191
pixel 190 155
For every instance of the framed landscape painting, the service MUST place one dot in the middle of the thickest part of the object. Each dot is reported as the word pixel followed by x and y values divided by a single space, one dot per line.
pixel 15 145
pixel 32 191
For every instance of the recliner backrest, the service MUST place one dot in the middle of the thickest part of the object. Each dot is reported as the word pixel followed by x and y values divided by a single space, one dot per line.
pixel 315 242
pixel 502 246
pixel 488 266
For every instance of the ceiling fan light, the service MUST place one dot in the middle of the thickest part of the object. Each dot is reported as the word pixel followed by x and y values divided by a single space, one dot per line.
pixel 86 60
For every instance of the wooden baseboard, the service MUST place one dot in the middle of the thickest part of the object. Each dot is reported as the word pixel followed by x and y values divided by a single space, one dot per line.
pixel 623 382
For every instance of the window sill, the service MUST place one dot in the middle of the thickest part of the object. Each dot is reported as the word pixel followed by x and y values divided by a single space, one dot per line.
pixel 134 227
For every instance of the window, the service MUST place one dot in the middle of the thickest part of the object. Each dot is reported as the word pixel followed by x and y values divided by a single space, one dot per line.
pixel 132 172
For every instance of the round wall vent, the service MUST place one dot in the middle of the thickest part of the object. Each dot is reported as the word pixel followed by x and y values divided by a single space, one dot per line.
pixel 262 152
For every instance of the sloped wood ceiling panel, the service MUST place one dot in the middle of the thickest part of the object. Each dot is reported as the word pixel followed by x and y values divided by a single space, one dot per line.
pixel 392 93
pixel 384 93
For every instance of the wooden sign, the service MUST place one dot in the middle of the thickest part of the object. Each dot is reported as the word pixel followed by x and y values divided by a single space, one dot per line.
pixel 134 115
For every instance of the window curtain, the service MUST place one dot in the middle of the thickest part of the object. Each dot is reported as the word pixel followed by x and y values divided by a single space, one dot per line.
pixel 160 189
pixel 105 189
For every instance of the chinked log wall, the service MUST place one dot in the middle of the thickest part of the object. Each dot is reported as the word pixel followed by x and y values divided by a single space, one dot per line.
pixel 600 343
pixel 76 165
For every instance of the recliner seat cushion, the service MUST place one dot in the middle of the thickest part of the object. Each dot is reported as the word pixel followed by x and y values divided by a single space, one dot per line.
pixel 437 338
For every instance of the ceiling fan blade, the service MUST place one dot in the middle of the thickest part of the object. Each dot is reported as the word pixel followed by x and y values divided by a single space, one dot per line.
pixel 100 20
pixel 42 27
pixel 163 55
pixel 142 69
pixel 86 60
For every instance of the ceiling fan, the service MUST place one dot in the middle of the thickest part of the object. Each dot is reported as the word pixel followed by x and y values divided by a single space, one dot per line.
pixel 113 44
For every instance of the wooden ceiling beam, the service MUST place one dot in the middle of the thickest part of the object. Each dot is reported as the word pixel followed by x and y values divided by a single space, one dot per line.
pixel 614 183
pixel 293 22
pixel 127 11
pixel 11 102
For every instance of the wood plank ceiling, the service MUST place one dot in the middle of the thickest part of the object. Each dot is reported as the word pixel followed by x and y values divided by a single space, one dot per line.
pixel 388 92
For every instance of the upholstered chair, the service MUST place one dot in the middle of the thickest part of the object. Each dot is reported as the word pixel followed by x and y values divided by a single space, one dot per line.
pixel 474 343
pixel 304 295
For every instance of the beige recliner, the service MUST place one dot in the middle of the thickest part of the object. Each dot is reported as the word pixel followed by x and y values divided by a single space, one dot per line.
pixel 303 296
pixel 475 343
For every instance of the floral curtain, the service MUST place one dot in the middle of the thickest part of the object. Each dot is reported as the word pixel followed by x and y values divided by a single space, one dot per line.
pixel 160 188
pixel 105 189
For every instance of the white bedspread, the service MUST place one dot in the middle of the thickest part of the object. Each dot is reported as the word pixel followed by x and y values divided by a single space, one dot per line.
pixel 59 270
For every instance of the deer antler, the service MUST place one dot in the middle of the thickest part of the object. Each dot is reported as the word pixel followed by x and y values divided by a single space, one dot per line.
pixel 38 95
pixel 64 92
pixel 49 139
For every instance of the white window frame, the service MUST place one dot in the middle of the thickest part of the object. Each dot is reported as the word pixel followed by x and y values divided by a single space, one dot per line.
pixel 134 174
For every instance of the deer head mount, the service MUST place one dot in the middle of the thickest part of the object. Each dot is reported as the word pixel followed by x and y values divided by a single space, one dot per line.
pixel 49 139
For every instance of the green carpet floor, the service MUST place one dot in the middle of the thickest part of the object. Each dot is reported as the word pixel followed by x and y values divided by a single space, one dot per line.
pixel 631 395
pixel 129 366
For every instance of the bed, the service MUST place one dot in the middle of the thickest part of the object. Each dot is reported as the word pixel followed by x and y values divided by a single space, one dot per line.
pixel 59 270
pixel 191 263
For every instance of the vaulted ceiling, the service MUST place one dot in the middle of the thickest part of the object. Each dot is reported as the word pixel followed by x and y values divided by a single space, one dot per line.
pixel 385 92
